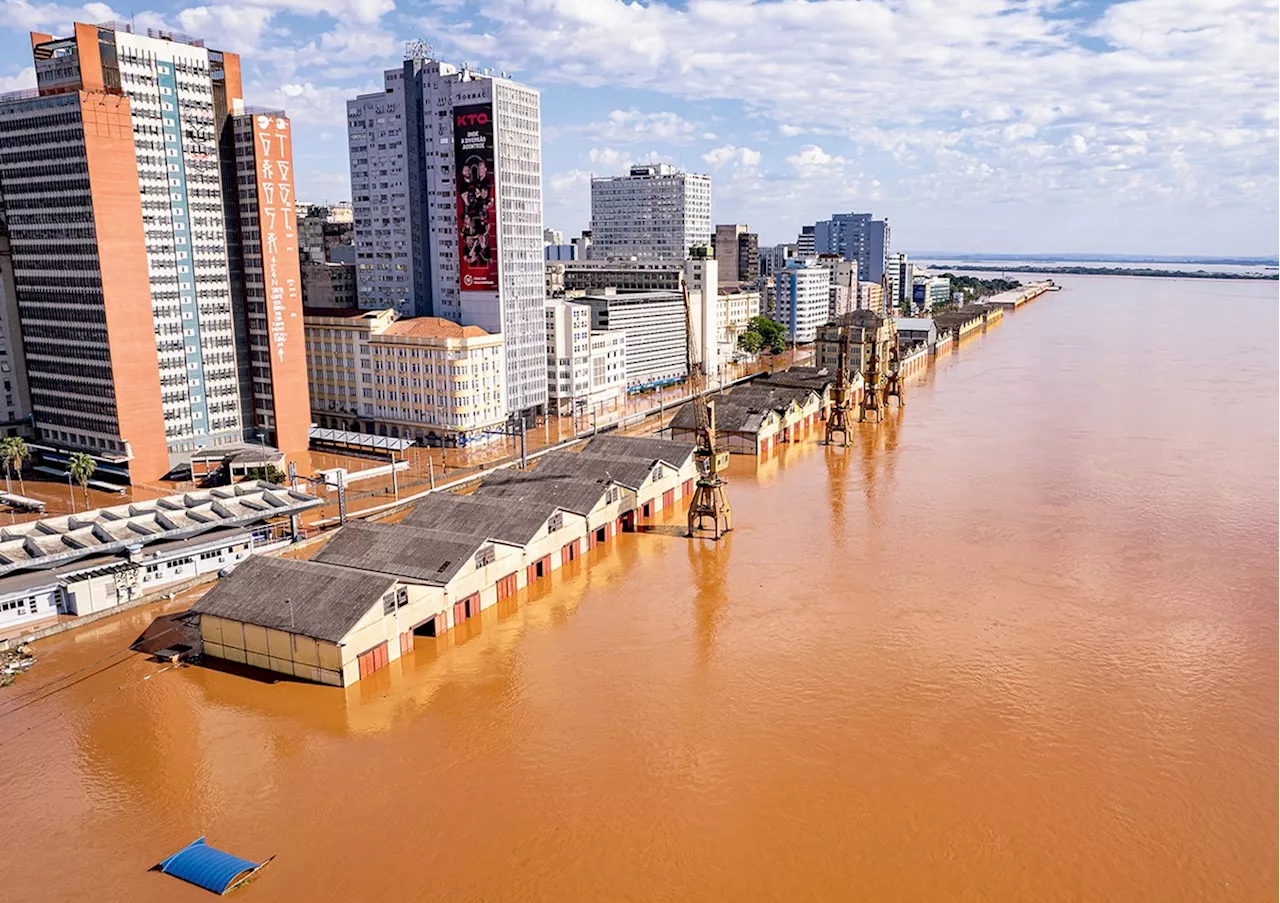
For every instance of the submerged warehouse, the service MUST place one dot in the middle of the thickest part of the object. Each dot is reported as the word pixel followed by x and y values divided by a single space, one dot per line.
pixel 358 605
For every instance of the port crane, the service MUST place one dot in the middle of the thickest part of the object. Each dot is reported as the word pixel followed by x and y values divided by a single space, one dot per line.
pixel 709 499
pixel 841 393
pixel 871 404
pixel 891 387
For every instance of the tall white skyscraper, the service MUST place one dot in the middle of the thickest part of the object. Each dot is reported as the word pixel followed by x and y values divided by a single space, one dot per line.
pixel 446 172
pixel 653 213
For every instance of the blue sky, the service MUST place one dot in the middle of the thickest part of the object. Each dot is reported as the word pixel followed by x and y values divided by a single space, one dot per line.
pixel 1141 126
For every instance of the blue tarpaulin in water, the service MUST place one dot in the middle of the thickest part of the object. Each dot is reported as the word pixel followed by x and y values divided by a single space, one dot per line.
pixel 209 868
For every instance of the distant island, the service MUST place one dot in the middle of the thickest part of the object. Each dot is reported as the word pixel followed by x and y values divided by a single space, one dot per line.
pixel 1110 271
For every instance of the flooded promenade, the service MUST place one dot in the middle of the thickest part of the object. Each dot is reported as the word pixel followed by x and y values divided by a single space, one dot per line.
pixel 1019 642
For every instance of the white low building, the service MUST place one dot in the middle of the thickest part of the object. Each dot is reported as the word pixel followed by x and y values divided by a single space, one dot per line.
pixel 84 563
pixel 586 368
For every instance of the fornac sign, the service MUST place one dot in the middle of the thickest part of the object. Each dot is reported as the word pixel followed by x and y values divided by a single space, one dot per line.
pixel 477 203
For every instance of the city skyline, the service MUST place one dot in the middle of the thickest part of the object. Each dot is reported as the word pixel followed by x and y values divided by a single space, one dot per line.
pixel 991 127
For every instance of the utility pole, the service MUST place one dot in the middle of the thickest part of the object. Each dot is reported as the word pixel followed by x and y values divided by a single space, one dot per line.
pixel 431 471
pixel 395 479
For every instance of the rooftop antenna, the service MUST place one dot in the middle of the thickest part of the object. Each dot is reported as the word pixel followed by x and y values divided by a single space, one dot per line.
pixel 418 49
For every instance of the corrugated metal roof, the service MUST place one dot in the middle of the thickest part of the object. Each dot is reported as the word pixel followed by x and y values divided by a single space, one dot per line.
pixel 628 472
pixel 493 518
pixel 815 378
pixel 731 417
pixel 528 487
pixel 212 869
pixel 303 597
pixel 432 557
pixel 675 452
pixel 761 396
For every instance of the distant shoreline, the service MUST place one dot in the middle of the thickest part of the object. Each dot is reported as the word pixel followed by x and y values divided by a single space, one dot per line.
pixel 1102 271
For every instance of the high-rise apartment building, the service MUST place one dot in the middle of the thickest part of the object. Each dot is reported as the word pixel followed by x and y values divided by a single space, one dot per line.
pixel 805 242
pixel 856 236
pixel 900 276
pixel 844 284
pixel 802 298
pixel 774 259
pixel 13 366
pixel 266 278
pixel 446 173
pixel 379 160
pixel 655 212
pixel 738 253
pixel 158 320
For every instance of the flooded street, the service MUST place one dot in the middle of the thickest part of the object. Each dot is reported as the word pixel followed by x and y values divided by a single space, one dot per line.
pixel 1017 643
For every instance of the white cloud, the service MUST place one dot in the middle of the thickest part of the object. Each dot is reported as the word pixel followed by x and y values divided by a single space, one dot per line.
pixel 573 180
pixel 989 95
pixel 741 157
pixel 606 157
pixel 811 158
pixel 633 127
pixel 24 79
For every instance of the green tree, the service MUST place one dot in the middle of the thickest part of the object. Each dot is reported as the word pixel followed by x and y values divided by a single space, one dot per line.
pixel 81 467
pixel 269 473
pixel 750 341
pixel 771 332
pixel 14 453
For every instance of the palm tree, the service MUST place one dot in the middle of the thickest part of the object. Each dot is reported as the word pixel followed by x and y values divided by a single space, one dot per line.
pixel 14 454
pixel 81 468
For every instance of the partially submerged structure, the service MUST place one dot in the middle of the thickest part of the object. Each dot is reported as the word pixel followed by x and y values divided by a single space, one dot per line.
pixel 357 605
pixel 755 418
pixel 82 563
pixel 200 864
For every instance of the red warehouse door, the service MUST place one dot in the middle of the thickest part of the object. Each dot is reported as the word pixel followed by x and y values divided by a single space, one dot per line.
pixel 668 498
pixel 507 586
pixel 472 603
pixel 459 613
pixel 372 660
pixel 687 489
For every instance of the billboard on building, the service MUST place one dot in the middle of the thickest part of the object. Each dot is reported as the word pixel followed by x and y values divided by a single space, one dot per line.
pixel 477 211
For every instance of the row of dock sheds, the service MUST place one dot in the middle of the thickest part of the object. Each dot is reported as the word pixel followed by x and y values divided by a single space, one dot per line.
pixel 757 417
pixel 359 602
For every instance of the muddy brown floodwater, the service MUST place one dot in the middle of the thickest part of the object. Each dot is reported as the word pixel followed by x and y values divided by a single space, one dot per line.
pixel 1017 643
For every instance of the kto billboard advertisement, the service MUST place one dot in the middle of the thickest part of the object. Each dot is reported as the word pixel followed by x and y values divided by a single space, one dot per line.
pixel 477 211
